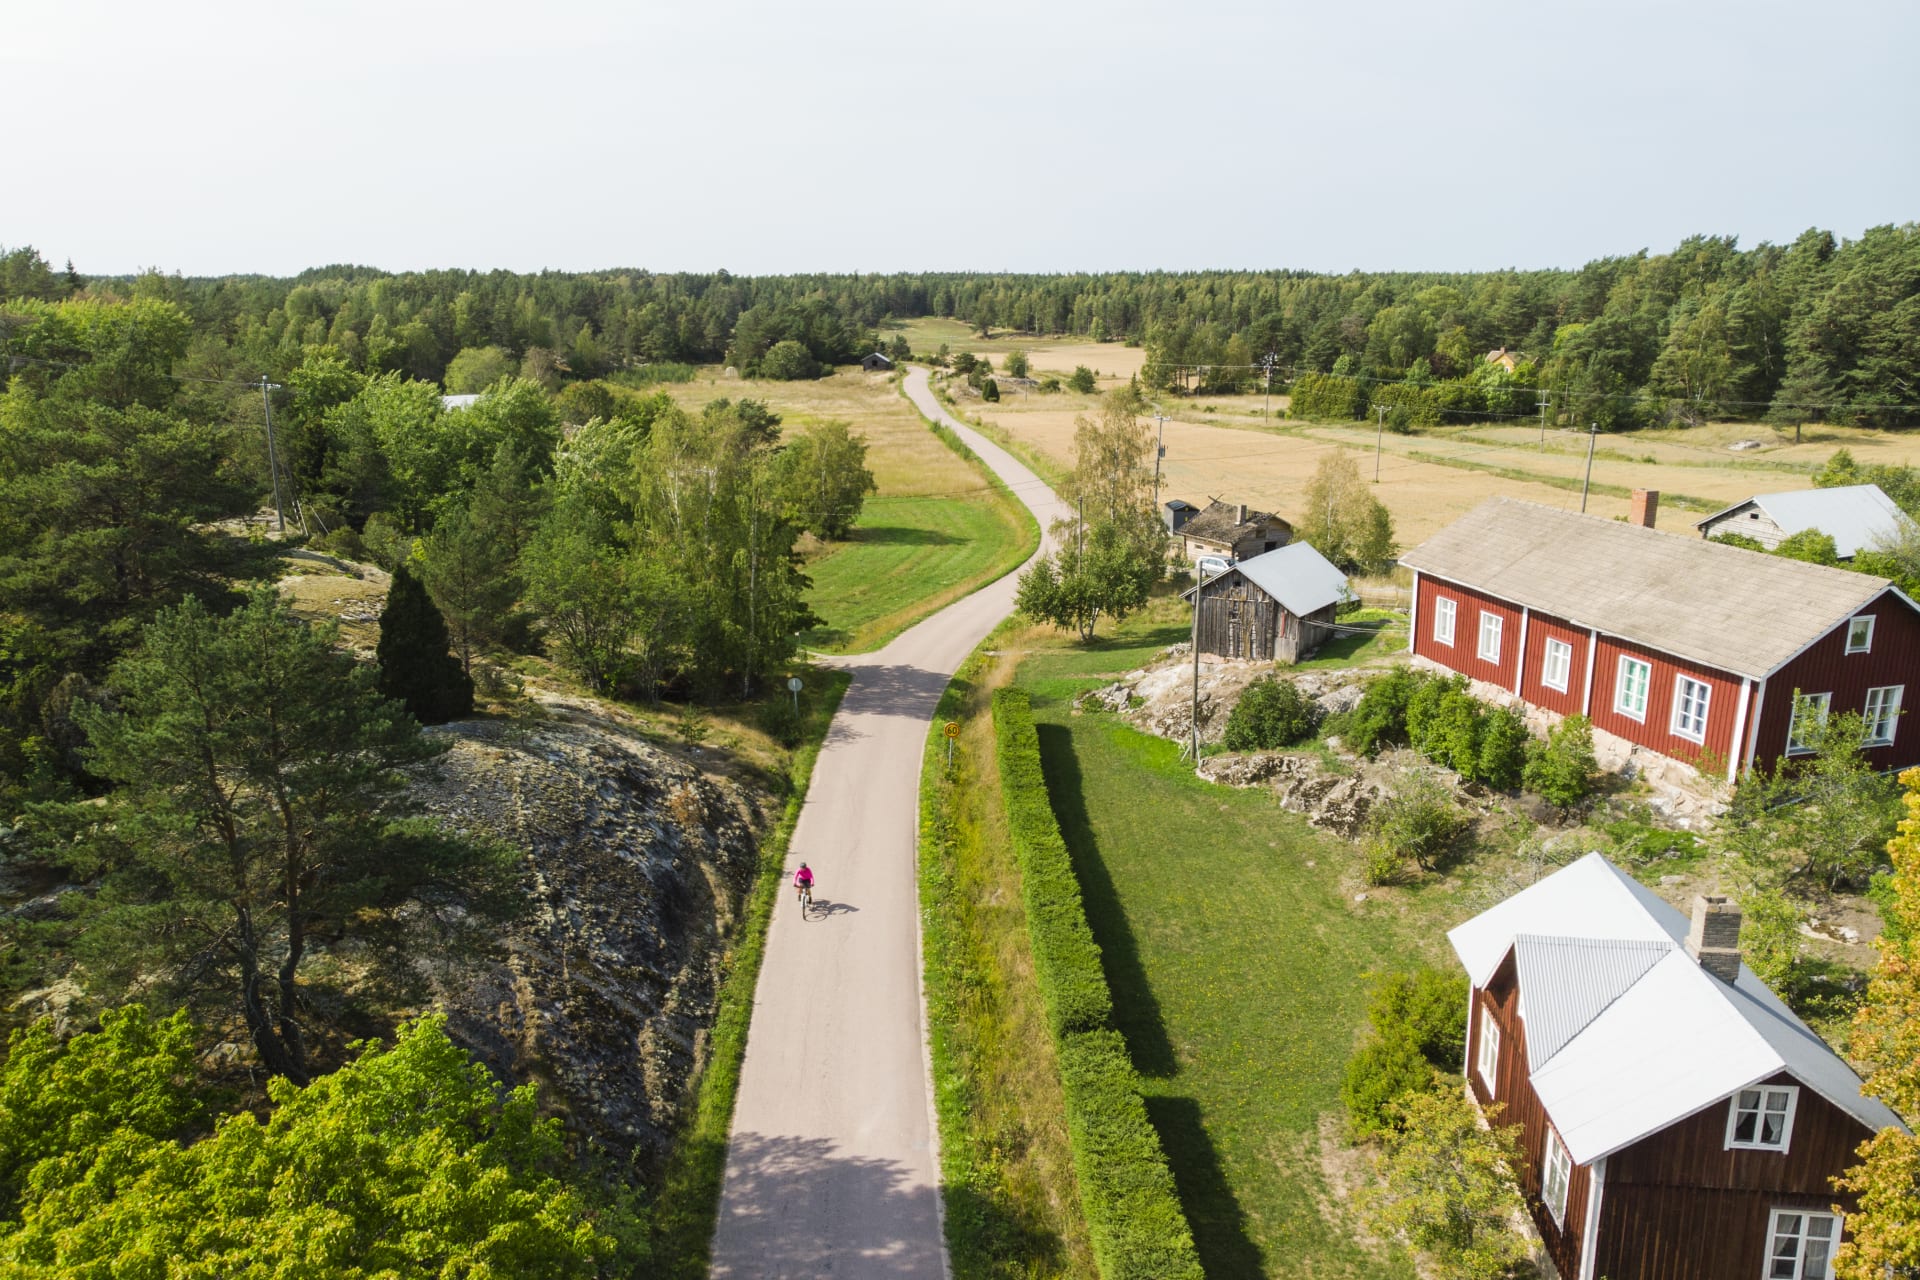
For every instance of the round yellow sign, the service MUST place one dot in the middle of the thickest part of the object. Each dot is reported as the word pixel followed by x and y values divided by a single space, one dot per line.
pixel 952 730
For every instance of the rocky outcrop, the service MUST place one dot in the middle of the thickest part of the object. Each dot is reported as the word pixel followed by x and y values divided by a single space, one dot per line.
pixel 637 865
pixel 1339 802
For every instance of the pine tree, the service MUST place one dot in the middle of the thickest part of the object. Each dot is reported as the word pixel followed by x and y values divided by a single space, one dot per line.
pixel 417 666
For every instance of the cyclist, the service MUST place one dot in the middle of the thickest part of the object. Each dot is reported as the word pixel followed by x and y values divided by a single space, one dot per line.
pixel 803 885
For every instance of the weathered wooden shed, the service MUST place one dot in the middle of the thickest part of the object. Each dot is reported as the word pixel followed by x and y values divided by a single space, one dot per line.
pixel 1276 607
pixel 875 362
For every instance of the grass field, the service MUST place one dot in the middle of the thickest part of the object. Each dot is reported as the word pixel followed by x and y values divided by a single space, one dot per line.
pixel 1239 963
pixel 1222 447
pixel 935 530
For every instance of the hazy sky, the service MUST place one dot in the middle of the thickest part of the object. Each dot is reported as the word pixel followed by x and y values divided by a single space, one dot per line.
pixel 218 137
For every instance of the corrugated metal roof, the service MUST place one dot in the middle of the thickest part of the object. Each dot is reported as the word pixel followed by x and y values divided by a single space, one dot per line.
pixel 1565 983
pixel 465 401
pixel 1856 516
pixel 1720 606
pixel 1672 1040
pixel 1296 575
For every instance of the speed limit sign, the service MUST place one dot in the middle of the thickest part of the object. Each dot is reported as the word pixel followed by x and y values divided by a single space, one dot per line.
pixel 952 730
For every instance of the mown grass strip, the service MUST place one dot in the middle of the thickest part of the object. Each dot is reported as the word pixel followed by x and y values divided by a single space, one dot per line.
pixel 1683 501
pixel 1127 1190
pixel 689 1199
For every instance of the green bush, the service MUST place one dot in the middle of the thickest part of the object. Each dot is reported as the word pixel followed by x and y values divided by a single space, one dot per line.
pixel 1562 770
pixel 1381 1072
pixel 990 390
pixel 1066 959
pixel 1407 406
pixel 1126 1190
pixel 1416 825
pixel 788 361
pixel 1270 714
pixel 1503 748
pixel 1380 718
pixel 1081 380
pixel 1429 1007
pixel 1127 1193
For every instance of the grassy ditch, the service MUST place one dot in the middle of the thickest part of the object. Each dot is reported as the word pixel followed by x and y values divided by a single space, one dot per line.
pixel 689 1197
pixel 1127 1193
pixel 1006 1163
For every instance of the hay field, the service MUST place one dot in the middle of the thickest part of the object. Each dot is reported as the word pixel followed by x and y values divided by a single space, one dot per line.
pixel 1111 362
pixel 1429 480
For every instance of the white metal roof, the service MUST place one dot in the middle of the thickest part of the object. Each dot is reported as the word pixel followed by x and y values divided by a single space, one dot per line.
pixel 1855 516
pixel 466 401
pixel 1633 1035
pixel 1300 578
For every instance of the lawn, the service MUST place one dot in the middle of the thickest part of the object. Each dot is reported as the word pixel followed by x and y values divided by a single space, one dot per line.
pixel 906 558
pixel 1239 963
pixel 936 529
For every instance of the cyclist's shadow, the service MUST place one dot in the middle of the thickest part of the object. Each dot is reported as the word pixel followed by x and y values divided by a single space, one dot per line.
pixel 824 908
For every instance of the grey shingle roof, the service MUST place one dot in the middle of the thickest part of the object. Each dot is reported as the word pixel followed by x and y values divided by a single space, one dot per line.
pixel 1741 611
pixel 1220 522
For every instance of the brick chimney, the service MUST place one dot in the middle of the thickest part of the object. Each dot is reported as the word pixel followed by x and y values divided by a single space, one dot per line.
pixel 1714 939
pixel 1242 517
pixel 1646 505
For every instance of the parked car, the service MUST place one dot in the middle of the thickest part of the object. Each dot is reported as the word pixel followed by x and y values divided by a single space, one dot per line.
pixel 1210 567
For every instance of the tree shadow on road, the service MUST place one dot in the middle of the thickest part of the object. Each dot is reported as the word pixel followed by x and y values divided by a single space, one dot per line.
pixel 796 1207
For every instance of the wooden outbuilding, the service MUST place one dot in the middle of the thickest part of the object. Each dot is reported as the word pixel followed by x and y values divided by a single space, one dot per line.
pixel 1677 1121
pixel 1684 647
pixel 1232 531
pixel 1176 513
pixel 1276 607
pixel 875 362
pixel 1858 517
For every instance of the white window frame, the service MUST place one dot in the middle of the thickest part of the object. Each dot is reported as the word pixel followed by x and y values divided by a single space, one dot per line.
pixel 1443 609
pixel 1799 1235
pixel 1822 700
pixel 1620 703
pixel 1487 1060
pixel 1498 625
pixel 1565 653
pixel 1758 1110
pixel 1866 641
pixel 1680 686
pixel 1556 1167
pixel 1891 712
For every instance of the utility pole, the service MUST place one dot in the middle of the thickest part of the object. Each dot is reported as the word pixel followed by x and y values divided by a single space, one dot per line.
pixel 1159 452
pixel 1266 410
pixel 1593 436
pixel 273 456
pixel 1379 438
pixel 1543 422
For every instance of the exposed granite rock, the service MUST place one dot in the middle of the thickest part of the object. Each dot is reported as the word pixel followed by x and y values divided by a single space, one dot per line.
pixel 638 864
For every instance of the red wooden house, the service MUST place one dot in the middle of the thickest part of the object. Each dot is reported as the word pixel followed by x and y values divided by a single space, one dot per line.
pixel 1688 648
pixel 1677 1121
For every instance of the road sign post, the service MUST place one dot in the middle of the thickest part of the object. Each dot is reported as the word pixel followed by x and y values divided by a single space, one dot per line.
pixel 952 731
pixel 793 687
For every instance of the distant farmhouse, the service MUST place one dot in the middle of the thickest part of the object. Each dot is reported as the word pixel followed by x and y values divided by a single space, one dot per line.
pixel 1508 360
pixel 874 362
pixel 1677 1121
pixel 1856 517
pixel 1233 532
pixel 1683 647
pixel 1277 607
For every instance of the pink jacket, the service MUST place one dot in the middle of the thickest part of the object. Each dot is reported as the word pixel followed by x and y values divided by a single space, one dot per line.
pixel 803 877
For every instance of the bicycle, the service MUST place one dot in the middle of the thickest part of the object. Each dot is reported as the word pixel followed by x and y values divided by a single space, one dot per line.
pixel 805 897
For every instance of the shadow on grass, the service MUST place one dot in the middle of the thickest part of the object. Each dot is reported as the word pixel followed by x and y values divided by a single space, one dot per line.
pixel 1135 1011
pixel 986 1235
pixel 902 535
pixel 1342 647
pixel 1219 1226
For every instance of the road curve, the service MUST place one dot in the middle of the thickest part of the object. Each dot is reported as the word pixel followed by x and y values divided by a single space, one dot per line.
pixel 832 1166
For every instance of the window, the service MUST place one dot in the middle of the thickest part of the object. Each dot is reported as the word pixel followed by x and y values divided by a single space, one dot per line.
pixel 1761 1118
pixel 1555 666
pixel 1860 634
pixel 1883 705
pixel 1690 708
pixel 1487 1062
pixel 1555 1171
pixel 1809 713
pixel 1800 1245
pixel 1490 636
pixel 1630 691
pixel 1443 620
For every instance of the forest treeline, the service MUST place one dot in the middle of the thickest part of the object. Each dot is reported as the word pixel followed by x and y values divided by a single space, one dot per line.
pixel 1821 329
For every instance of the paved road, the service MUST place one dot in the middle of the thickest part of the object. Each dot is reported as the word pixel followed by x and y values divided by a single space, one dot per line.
pixel 831 1169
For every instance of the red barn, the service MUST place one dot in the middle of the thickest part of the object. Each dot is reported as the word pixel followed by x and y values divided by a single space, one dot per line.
pixel 1677 1121
pixel 1688 648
